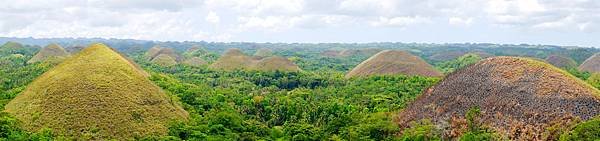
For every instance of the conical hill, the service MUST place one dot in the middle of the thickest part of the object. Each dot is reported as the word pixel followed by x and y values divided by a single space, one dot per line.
pixel 275 63
pixel 52 51
pixel 95 95
pixel 263 52
pixel 390 62
pixel 195 61
pixel 233 59
pixel 561 61
pixel 592 64
pixel 152 52
pixel 519 97
pixel 164 60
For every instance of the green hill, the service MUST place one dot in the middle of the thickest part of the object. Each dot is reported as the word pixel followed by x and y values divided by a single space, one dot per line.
pixel 95 95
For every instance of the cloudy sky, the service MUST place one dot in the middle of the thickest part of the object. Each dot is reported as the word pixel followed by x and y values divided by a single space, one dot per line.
pixel 558 22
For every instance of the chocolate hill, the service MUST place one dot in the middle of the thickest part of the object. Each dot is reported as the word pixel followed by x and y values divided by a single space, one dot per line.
pixel 592 64
pixel 152 52
pixel 164 60
pixel 233 59
pixel 195 61
pixel 195 51
pixel 12 45
pixel 517 97
pixel 52 51
pixel 561 61
pixel 263 52
pixel 390 62
pixel 95 95
pixel 275 63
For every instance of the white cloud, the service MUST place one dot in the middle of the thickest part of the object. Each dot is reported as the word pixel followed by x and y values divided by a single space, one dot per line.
pixel 228 19
pixel 460 21
pixel 399 21
pixel 212 17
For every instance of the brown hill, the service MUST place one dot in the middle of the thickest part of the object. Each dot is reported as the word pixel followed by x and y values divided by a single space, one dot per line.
pixel 169 52
pixel 592 64
pixel 389 62
pixel 164 60
pixel 195 61
pixel 152 52
pixel 275 63
pixel 518 97
pixel 561 61
pixel 95 95
pixel 263 52
pixel 52 51
pixel 233 59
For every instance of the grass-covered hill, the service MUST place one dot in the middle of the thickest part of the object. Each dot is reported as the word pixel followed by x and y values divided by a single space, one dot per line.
pixel 95 95
pixel 518 98
pixel 52 52
pixel 390 62
pixel 233 59
pixel 591 64
pixel 561 61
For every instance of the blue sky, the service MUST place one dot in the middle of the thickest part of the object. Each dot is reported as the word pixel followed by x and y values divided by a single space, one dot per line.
pixel 556 22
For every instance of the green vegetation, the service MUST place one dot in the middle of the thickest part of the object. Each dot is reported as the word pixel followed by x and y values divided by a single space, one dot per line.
pixel 458 63
pixel 317 103
pixel 585 131
pixel 242 105
pixel 594 80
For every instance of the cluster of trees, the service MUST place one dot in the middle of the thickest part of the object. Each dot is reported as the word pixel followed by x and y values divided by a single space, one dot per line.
pixel 243 105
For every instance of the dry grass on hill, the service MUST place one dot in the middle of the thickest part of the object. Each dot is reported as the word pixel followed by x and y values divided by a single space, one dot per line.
pixel 561 61
pixel 96 95
pixel 592 64
pixel 518 97
pixel 391 62
pixel 52 51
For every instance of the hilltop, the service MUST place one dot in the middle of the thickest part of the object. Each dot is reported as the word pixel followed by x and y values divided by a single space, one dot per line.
pixel 518 97
pixel 390 62
pixel 233 59
pixel 51 52
pixel 592 64
pixel 164 60
pixel 96 95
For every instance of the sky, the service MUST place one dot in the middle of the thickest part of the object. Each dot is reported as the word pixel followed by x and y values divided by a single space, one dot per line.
pixel 551 22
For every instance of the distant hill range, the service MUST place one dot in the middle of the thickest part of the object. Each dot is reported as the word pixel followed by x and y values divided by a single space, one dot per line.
pixel 423 50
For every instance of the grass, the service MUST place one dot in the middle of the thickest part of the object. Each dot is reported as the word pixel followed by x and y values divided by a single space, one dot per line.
pixel 99 93
pixel 51 51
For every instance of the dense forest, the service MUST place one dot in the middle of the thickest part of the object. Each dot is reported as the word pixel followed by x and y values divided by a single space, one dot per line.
pixel 317 103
